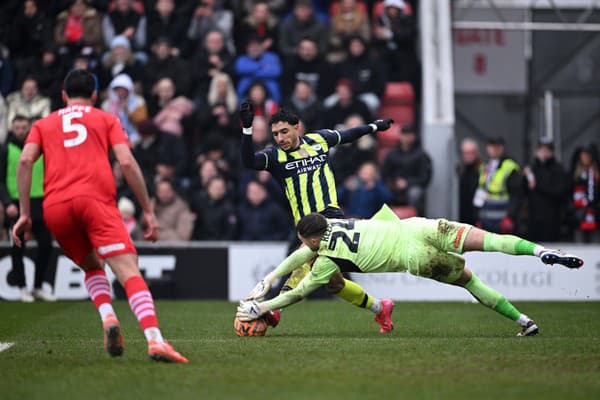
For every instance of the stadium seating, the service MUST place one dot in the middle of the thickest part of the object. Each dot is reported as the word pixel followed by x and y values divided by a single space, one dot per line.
pixel 397 103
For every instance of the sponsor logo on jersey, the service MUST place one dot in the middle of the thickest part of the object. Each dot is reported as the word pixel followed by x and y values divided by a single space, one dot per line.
pixel 306 164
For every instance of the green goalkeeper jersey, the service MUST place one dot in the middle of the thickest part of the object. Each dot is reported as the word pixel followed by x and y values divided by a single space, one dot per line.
pixel 373 245
pixel 420 246
pixel 361 246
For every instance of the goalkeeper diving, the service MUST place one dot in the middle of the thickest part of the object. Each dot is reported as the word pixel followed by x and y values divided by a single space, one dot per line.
pixel 428 248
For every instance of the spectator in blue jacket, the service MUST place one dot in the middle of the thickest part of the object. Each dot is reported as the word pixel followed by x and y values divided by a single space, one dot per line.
pixel 364 193
pixel 258 65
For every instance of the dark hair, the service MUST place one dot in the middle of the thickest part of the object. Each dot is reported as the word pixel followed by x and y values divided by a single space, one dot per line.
pixel 167 181
pixel 284 115
pixel 257 182
pixel 20 117
pixel 79 83
pixel 311 225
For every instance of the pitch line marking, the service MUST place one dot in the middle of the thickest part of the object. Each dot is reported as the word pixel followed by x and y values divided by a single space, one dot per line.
pixel 5 346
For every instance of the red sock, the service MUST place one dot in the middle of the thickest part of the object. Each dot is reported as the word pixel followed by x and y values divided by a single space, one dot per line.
pixel 98 287
pixel 140 301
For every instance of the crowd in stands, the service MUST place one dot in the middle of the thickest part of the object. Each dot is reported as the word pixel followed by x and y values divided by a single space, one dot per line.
pixel 543 201
pixel 175 72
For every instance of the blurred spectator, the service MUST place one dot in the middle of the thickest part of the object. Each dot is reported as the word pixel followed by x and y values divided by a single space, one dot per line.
pixel 216 218
pixel 216 120
pixel 166 169
pixel 164 21
pixel 157 151
pixel 258 65
pixel 499 193
pixel 468 180
pixel 220 148
pixel 123 189
pixel 258 96
pixel 163 64
pixel 3 231
pixel 395 33
pixel 119 60
pixel 345 105
pixel 274 191
pixel 6 72
pixel 127 210
pixel 307 64
pixel 363 194
pixel 27 102
pixel 261 135
pixel 88 61
pixel 348 21
pixel 3 120
pixel 172 111
pixel 245 7
pixel 547 185
pixel 585 177
pixel 346 158
pixel 50 73
pixel 407 171
pixel 305 104
pixel 207 169
pixel 31 31
pixel 213 58
pixel 127 22
pixel 175 220
pixel 260 218
pixel 78 27
pixel 260 23
pixel 302 24
pixel 9 197
pixel 222 92
pixel 209 16
pixel 8 10
pixel 364 72
pixel 125 104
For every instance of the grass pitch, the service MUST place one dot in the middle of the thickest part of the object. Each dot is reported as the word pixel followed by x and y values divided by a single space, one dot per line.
pixel 321 350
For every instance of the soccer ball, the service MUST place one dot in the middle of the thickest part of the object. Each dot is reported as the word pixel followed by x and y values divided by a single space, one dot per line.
pixel 257 327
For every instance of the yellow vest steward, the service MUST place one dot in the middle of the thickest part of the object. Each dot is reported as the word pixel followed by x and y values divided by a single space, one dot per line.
pixel 496 188
pixel 37 176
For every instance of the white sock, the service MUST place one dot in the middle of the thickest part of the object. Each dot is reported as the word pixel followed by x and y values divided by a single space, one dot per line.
pixel 153 334
pixel 376 306
pixel 523 320
pixel 105 310
pixel 537 250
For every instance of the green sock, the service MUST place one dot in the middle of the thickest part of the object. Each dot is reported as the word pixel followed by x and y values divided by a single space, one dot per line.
pixel 508 244
pixel 491 298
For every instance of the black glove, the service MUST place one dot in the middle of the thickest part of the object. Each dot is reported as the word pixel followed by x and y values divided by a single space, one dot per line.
pixel 246 114
pixel 383 124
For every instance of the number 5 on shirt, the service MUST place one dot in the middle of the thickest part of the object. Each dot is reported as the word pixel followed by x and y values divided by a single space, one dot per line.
pixel 68 127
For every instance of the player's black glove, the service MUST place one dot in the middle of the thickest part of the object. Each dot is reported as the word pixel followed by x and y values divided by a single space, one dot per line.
pixel 383 124
pixel 246 114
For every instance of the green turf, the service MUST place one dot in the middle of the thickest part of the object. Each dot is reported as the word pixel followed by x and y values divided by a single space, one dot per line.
pixel 321 350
